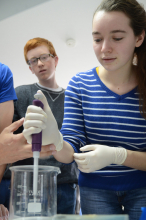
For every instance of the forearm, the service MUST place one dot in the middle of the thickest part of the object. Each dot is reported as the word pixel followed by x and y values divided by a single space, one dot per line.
pixel 6 114
pixel 2 170
pixel 136 160
pixel 66 154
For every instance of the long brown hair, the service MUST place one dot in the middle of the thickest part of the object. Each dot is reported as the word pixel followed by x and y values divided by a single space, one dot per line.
pixel 137 16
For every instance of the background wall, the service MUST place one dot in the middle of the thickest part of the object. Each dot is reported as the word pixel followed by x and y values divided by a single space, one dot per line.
pixel 56 20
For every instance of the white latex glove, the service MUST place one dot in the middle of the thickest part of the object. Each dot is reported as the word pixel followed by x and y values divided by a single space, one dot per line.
pixel 38 119
pixel 98 157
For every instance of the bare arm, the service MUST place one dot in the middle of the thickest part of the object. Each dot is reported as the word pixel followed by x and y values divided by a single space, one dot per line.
pixel 66 154
pixel 6 116
pixel 136 160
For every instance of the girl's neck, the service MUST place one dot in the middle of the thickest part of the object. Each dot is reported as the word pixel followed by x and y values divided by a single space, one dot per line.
pixel 119 81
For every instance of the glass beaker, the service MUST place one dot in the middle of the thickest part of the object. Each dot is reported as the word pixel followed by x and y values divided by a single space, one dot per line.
pixel 22 203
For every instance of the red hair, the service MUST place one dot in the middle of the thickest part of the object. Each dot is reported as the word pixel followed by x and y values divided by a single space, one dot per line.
pixel 35 42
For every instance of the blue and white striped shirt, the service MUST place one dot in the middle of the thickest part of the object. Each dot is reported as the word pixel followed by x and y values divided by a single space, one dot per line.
pixel 94 114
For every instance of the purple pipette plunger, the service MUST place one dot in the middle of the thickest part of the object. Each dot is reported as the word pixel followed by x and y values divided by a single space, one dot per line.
pixel 37 138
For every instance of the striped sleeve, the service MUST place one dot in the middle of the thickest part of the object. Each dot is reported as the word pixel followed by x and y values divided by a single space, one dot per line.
pixel 73 129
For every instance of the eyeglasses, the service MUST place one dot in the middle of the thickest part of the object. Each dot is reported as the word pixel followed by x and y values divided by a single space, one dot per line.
pixel 43 58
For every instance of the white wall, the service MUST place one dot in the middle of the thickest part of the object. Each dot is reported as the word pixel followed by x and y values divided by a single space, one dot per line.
pixel 56 20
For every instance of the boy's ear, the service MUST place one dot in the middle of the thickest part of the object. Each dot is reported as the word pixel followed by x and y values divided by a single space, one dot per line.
pixel 56 60
pixel 31 70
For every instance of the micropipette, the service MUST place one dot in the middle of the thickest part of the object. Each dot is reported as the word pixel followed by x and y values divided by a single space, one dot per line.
pixel 36 148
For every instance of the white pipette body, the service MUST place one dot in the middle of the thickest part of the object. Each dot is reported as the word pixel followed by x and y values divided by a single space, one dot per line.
pixel 36 155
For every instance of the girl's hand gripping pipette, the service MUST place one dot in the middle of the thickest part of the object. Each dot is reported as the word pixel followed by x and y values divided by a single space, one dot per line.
pixel 37 120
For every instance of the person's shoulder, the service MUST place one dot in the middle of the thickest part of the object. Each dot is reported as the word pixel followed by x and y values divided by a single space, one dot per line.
pixel 84 74
pixel 25 88
pixel 5 71
pixel 6 77
pixel 4 66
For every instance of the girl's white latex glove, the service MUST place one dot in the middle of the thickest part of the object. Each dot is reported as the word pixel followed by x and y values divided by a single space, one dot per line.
pixel 38 119
pixel 98 157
